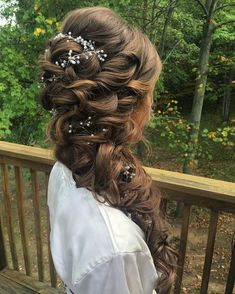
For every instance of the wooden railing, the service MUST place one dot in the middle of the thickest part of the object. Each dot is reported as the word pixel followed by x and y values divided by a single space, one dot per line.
pixel 25 171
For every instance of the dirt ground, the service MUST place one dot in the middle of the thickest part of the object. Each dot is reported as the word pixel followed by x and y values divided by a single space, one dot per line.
pixel 196 246
pixel 221 169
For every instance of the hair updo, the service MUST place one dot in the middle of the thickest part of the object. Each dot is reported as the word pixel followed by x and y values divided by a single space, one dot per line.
pixel 100 108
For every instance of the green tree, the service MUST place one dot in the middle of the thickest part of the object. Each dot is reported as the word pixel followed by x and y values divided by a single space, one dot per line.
pixel 210 25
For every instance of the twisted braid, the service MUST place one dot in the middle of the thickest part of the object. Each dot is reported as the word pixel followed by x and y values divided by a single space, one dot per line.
pixel 117 95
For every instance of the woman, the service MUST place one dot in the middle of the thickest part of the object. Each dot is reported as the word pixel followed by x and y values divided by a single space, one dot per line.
pixel 107 234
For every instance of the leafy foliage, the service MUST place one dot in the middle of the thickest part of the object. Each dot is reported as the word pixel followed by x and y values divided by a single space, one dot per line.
pixel 175 27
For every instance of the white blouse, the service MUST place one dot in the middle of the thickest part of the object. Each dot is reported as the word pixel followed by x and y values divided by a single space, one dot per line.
pixel 95 248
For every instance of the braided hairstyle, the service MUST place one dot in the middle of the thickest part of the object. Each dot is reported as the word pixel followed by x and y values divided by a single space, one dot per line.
pixel 100 109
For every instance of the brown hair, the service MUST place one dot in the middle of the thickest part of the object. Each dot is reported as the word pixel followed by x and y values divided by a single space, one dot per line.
pixel 117 94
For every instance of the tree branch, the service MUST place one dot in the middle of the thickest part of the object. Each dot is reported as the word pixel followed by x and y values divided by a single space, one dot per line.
pixel 160 11
pixel 223 6
pixel 223 24
pixel 156 18
pixel 136 17
pixel 210 6
pixel 203 7
pixel 164 61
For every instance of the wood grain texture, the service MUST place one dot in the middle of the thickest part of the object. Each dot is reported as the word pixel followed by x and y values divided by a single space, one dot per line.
pixel 21 214
pixel 16 281
pixel 11 287
pixel 191 190
pixel 198 200
pixel 25 163
pixel 37 221
pixel 34 154
pixel 231 274
pixel 171 181
pixel 3 257
pixel 53 275
pixel 8 214
pixel 182 248
pixel 193 185
pixel 209 251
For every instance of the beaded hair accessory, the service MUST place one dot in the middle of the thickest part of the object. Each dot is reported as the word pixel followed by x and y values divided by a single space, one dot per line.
pixel 85 125
pixel 88 50
pixel 128 173
pixel 72 58
pixel 51 79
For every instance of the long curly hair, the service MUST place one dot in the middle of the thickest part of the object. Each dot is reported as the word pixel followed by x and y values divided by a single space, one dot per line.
pixel 116 95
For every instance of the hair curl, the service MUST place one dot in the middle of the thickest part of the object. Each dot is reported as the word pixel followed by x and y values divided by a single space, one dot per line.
pixel 118 95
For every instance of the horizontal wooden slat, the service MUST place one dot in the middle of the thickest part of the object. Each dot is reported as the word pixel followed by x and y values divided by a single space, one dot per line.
pixel 11 287
pixel 198 200
pixel 23 280
pixel 25 163
pixel 28 283
pixel 34 154
pixel 193 185
pixel 171 181
pixel 219 195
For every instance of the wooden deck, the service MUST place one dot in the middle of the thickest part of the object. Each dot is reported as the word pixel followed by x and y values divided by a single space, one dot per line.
pixel 26 169
pixel 13 282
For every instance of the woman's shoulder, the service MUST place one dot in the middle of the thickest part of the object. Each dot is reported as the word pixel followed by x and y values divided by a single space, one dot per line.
pixel 61 172
pixel 126 236
pixel 86 232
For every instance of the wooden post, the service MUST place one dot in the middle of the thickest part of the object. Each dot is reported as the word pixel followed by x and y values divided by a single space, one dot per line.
pixel 231 274
pixel 37 221
pixel 53 275
pixel 183 245
pixel 21 214
pixel 3 258
pixel 209 251
pixel 9 216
